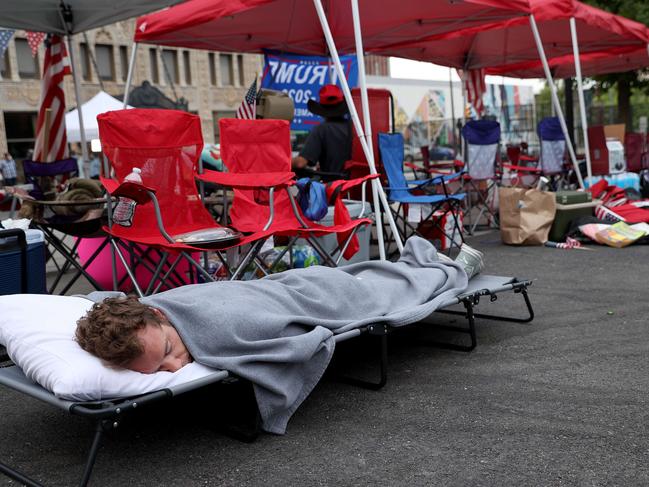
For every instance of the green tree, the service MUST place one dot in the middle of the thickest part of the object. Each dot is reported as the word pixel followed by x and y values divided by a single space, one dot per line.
pixel 633 81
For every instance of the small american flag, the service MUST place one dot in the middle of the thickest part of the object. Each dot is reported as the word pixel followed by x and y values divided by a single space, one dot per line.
pixel 5 37
pixel 248 107
pixel 51 142
pixel 474 86
pixel 34 40
pixel 603 213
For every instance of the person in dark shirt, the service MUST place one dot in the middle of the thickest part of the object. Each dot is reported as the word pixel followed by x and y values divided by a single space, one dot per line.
pixel 329 145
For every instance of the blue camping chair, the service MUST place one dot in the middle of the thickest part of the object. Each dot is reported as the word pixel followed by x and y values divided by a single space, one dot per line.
pixel 552 161
pixel 482 139
pixel 400 191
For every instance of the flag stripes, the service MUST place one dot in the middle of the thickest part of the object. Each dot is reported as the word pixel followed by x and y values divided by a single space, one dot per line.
pixel 474 85
pixel 248 107
pixel 55 67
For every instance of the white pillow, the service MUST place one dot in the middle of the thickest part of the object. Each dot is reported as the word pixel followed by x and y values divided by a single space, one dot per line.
pixel 38 332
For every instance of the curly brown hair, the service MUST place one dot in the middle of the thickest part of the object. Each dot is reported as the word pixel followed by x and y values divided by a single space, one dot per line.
pixel 109 330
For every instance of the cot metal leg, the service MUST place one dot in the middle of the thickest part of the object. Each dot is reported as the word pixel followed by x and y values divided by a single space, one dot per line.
pixel 510 319
pixel 380 331
pixel 470 330
pixel 92 454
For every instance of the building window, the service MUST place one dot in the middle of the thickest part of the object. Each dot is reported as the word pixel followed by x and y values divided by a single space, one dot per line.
pixel 84 59
pixel 242 77
pixel 211 61
pixel 27 65
pixel 153 61
pixel 5 69
pixel 123 61
pixel 188 68
pixel 170 65
pixel 218 116
pixel 225 66
pixel 105 63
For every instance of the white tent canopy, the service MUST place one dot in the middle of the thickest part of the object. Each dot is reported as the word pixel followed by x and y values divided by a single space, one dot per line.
pixel 100 103
pixel 51 16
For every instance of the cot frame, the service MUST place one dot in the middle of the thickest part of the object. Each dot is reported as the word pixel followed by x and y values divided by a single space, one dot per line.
pixel 108 414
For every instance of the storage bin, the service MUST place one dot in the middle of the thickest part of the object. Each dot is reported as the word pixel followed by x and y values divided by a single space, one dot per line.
pixel 11 275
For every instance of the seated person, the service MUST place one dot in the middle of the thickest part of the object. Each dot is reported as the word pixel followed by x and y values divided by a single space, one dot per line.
pixel 277 331
pixel 328 145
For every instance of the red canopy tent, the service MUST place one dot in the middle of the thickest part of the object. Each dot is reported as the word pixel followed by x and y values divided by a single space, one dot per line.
pixel 513 42
pixel 321 27
pixel 293 25
pixel 593 63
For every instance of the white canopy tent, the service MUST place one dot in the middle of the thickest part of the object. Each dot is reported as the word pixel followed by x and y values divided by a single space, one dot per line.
pixel 100 103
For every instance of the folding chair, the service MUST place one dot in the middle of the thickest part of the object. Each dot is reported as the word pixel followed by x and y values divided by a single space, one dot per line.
pixel 482 139
pixel 523 170
pixel 170 221
pixel 257 154
pixel 64 222
pixel 553 152
pixel 403 193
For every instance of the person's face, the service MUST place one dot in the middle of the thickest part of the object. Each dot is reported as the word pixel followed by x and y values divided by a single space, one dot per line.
pixel 163 349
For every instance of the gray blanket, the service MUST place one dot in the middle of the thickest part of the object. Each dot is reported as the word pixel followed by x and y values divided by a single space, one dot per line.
pixel 278 331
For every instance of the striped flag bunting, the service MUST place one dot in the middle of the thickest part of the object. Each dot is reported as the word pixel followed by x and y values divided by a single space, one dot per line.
pixel 248 107
pixel 51 141
pixel 473 81
pixel 34 40
pixel 606 214
pixel 5 37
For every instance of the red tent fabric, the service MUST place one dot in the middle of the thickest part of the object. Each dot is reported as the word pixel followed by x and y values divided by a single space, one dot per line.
pixel 512 41
pixel 612 61
pixel 293 26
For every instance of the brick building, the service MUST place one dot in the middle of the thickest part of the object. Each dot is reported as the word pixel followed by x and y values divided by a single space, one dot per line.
pixel 212 83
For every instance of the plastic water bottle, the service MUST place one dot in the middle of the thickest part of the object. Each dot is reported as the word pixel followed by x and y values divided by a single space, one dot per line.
pixel 125 208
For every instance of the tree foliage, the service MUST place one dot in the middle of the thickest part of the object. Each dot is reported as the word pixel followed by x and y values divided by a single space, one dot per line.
pixel 632 81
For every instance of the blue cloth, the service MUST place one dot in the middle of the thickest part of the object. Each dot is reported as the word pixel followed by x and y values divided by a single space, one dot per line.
pixel 550 129
pixel 481 132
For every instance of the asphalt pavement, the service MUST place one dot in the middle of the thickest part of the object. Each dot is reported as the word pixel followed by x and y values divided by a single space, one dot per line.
pixel 560 401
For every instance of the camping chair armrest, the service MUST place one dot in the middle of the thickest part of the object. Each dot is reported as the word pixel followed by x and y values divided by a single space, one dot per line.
pixel 445 178
pixel 248 180
pixel 128 189
pixel 513 167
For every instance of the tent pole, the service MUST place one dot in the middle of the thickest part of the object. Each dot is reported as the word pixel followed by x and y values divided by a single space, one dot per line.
pixel 367 123
pixel 453 128
pixel 75 78
pixel 355 119
pixel 129 77
pixel 555 99
pixel 580 93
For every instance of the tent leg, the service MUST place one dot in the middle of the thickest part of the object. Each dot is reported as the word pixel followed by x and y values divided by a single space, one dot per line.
pixel 355 118
pixel 129 77
pixel 367 120
pixel 580 92
pixel 75 78
pixel 555 99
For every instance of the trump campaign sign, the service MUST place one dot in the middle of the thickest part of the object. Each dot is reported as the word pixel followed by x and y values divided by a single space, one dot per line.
pixel 301 77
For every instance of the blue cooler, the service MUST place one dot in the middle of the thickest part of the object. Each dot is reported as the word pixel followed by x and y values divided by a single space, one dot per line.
pixel 22 262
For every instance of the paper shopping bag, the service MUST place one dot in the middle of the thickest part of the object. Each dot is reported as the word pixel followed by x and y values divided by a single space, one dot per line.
pixel 526 215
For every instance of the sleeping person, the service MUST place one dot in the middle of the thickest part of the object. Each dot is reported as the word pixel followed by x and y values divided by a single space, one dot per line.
pixel 277 332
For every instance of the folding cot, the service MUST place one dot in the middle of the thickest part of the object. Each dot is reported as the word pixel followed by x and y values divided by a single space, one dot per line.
pixel 108 414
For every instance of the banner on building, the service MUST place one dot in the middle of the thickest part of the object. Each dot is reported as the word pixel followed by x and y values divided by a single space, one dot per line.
pixel 301 77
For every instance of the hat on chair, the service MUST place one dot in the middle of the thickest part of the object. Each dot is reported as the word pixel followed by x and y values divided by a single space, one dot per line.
pixel 332 103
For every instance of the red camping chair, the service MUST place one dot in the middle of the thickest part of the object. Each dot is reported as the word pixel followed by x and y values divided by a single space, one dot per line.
pixel 257 154
pixel 170 218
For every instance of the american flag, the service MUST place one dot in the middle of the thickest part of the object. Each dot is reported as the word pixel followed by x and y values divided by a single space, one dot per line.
pixel 5 37
pixel 474 87
pixel 34 40
pixel 51 141
pixel 248 107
